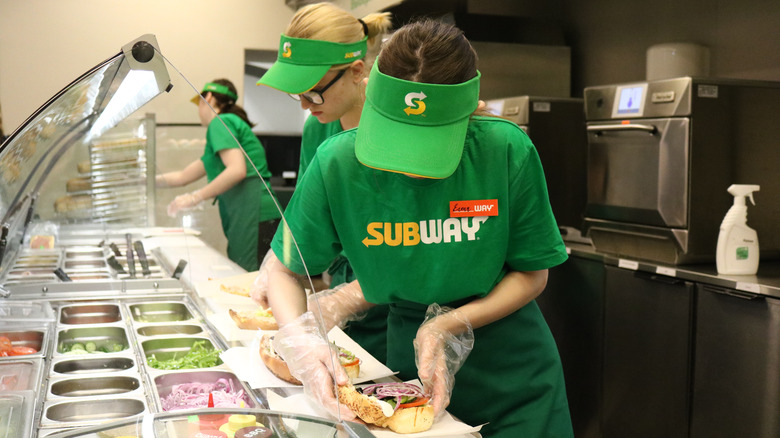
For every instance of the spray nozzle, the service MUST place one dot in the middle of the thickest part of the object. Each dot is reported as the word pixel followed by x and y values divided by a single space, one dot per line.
pixel 740 191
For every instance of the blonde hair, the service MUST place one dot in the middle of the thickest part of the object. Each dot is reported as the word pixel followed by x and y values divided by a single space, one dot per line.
pixel 327 22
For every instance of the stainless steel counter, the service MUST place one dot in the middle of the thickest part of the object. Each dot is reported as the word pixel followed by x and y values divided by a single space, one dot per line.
pixel 766 282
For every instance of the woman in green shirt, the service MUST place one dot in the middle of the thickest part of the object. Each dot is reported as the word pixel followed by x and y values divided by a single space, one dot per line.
pixel 233 163
pixel 327 79
pixel 444 216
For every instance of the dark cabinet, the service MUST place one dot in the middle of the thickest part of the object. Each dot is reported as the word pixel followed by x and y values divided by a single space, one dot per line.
pixel 736 387
pixel 647 355
pixel 572 304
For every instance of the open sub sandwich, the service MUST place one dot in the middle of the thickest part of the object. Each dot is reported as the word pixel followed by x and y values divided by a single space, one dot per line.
pixel 278 367
pixel 401 407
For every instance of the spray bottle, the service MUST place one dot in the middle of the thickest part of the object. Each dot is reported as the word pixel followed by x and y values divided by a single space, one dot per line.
pixel 737 251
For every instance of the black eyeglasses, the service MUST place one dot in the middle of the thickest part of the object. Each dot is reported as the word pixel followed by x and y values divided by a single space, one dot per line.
pixel 315 96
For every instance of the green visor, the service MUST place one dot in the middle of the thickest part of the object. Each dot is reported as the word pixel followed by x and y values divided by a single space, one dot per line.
pixel 301 62
pixel 413 127
pixel 214 88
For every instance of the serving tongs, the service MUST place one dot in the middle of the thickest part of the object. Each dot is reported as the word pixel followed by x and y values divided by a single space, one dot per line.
pixel 139 249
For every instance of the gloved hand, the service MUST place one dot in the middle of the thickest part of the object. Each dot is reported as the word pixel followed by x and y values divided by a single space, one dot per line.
pixel 443 342
pixel 340 305
pixel 314 361
pixel 187 201
pixel 259 290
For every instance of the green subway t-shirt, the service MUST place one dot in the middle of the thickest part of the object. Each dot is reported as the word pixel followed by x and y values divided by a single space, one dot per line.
pixel 403 237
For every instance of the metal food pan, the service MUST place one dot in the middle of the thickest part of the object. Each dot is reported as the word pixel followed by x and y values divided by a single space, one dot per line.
pixel 160 311
pixel 31 272
pixel 172 348
pixel 169 329
pixel 16 412
pixel 85 264
pixel 91 410
pixel 106 339
pixel 93 313
pixel 32 338
pixel 37 311
pixel 20 375
pixel 164 384
pixel 85 252
pixel 44 258
pixel 91 385
pixel 21 266
pixel 109 363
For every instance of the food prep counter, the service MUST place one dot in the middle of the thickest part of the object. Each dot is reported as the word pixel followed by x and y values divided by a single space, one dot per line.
pixel 133 360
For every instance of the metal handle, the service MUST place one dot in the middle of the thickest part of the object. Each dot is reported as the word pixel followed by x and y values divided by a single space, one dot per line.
pixel 115 249
pixel 179 269
pixel 130 258
pixel 62 275
pixel 650 129
pixel 115 265
pixel 139 249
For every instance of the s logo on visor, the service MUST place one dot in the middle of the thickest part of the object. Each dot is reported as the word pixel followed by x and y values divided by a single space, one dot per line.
pixel 286 52
pixel 415 104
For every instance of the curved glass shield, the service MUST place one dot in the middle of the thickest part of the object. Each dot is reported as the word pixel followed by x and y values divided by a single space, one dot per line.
pixel 133 292
pixel 246 423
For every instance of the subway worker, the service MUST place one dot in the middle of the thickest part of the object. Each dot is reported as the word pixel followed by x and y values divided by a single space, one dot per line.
pixel 324 55
pixel 444 216
pixel 246 204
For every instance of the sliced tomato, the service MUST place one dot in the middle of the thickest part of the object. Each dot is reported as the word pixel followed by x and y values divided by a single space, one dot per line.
pixel 5 344
pixel 349 364
pixel 20 351
pixel 417 402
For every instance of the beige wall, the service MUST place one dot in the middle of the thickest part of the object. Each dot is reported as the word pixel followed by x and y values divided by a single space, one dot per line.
pixel 45 44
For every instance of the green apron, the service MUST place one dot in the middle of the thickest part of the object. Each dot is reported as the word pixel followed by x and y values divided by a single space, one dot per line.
pixel 239 209
pixel 370 332
pixel 512 380
pixel 244 206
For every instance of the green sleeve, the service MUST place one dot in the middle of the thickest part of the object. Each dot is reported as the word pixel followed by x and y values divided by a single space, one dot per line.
pixel 310 221
pixel 535 241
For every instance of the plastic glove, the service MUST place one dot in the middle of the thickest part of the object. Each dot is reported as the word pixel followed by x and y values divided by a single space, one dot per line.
pixel 259 290
pixel 311 359
pixel 340 305
pixel 443 342
pixel 187 201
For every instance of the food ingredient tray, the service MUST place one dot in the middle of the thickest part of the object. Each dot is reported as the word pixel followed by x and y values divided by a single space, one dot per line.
pixel 82 411
pixel 190 389
pixel 92 313
pixel 24 343
pixel 13 312
pixel 16 414
pixel 162 312
pixel 91 340
pixel 108 363
pixel 92 385
pixel 21 375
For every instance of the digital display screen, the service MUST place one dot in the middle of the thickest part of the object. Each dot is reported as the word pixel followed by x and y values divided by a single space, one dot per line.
pixel 630 100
